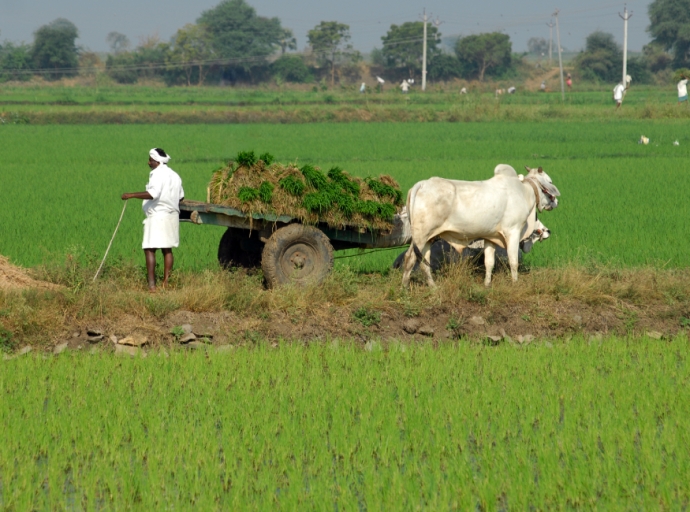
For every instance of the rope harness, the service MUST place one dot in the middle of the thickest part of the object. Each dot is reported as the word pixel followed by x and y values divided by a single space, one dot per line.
pixel 111 242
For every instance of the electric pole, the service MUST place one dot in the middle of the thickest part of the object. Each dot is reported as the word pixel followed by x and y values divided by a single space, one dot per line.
pixel 560 60
pixel 625 16
pixel 424 54
pixel 550 24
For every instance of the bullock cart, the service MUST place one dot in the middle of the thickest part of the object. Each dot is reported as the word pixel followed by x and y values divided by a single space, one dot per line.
pixel 287 250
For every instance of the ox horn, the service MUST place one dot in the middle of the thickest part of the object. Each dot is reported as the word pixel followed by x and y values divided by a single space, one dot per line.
pixel 527 169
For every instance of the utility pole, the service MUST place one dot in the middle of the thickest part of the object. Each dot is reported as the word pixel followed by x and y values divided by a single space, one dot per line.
pixel 424 54
pixel 560 60
pixel 550 24
pixel 625 16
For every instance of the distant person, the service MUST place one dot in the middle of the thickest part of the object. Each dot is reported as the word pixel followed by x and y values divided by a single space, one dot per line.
pixel 363 88
pixel 682 89
pixel 405 86
pixel 620 90
pixel 463 90
pixel 162 208
pixel 569 82
pixel 511 90
pixel 542 87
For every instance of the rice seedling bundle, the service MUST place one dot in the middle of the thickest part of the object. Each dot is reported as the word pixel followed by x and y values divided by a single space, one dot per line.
pixel 258 185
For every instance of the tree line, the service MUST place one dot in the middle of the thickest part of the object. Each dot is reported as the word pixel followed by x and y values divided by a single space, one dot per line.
pixel 231 43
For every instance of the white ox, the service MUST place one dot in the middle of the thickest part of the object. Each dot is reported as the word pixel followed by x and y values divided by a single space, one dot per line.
pixel 501 211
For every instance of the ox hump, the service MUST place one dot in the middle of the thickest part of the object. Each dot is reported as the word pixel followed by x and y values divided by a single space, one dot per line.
pixel 505 170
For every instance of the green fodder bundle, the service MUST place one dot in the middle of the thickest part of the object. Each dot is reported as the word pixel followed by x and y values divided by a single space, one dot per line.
pixel 258 185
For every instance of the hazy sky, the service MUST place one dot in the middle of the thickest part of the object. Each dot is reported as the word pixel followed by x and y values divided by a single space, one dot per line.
pixel 368 21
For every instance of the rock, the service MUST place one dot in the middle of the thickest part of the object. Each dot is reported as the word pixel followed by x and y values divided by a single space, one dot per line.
pixel 59 349
pixel 505 336
pixel 196 345
pixel 527 338
pixel 655 335
pixel 224 348
pixel 133 341
pixel 113 338
pixel 494 339
pixel 187 328
pixel 426 330
pixel 94 332
pixel 95 339
pixel 187 338
pixel 76 334
pixel 204 335
pixel 24 350
pixel 411 326
pixel 126 350
pixel 477 320
pixel 577 319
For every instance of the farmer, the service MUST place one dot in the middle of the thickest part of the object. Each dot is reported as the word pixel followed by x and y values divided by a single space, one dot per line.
pixel 405 86
pixel 682 89
pixel 162 208
pixel 569 82
pixel 620 90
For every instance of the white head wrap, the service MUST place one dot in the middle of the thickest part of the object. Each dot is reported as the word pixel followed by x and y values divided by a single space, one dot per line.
pixel 160 159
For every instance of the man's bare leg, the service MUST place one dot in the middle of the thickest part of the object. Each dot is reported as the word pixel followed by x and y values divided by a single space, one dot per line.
pixel 168 265
pixel 151 267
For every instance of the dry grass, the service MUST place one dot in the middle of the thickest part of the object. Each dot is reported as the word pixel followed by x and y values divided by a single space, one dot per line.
pixel 545 302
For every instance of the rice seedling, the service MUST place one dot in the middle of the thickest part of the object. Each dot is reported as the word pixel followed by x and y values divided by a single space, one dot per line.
pixel 548 426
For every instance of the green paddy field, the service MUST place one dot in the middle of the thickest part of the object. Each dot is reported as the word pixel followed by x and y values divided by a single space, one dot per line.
pixel 564 423
pixel 622 203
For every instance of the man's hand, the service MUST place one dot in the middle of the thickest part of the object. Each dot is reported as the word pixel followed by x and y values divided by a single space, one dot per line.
pixel 136 195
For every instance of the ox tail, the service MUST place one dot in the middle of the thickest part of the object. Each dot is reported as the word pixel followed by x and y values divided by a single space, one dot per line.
pixel 411 196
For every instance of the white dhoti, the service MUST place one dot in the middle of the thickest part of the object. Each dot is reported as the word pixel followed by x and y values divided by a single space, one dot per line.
pixel 161 231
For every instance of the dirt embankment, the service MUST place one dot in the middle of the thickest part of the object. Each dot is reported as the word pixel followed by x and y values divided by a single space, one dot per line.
pixel 13 277
pixel 231 308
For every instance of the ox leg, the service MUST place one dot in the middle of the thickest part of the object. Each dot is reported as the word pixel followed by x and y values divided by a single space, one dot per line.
pixel 489 261
pixel 513 248
pixel 408 265
pixel 426 264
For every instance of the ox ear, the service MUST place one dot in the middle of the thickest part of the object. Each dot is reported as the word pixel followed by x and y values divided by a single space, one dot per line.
pixel 540 170
pixel 527 169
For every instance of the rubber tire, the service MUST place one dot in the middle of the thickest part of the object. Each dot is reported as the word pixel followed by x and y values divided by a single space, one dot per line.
pixel 238 248
pixel 296 254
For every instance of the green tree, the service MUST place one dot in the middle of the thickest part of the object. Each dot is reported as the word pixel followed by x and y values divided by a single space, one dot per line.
pixel 118 42
pixel 669 26
pixel 239 35
pixel 656 57
pixel 602 58
pixel 403 46
pixel 287 41
pixel 54 48
pixel 329 40
pixel 192 49
pixel 482 54
pixel 444 67
pixel 291 68
pixel 15 61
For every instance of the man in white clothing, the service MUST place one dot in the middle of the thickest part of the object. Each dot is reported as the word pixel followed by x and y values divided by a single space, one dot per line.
pixel 682 89
pixel 620 90
pixel 162 208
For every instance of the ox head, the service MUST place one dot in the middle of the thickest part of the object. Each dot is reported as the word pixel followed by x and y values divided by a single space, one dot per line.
pixel 548 193
pixel 539 234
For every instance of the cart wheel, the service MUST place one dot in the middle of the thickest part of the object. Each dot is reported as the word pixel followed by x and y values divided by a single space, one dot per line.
pixel 238 248
pixel 296 254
